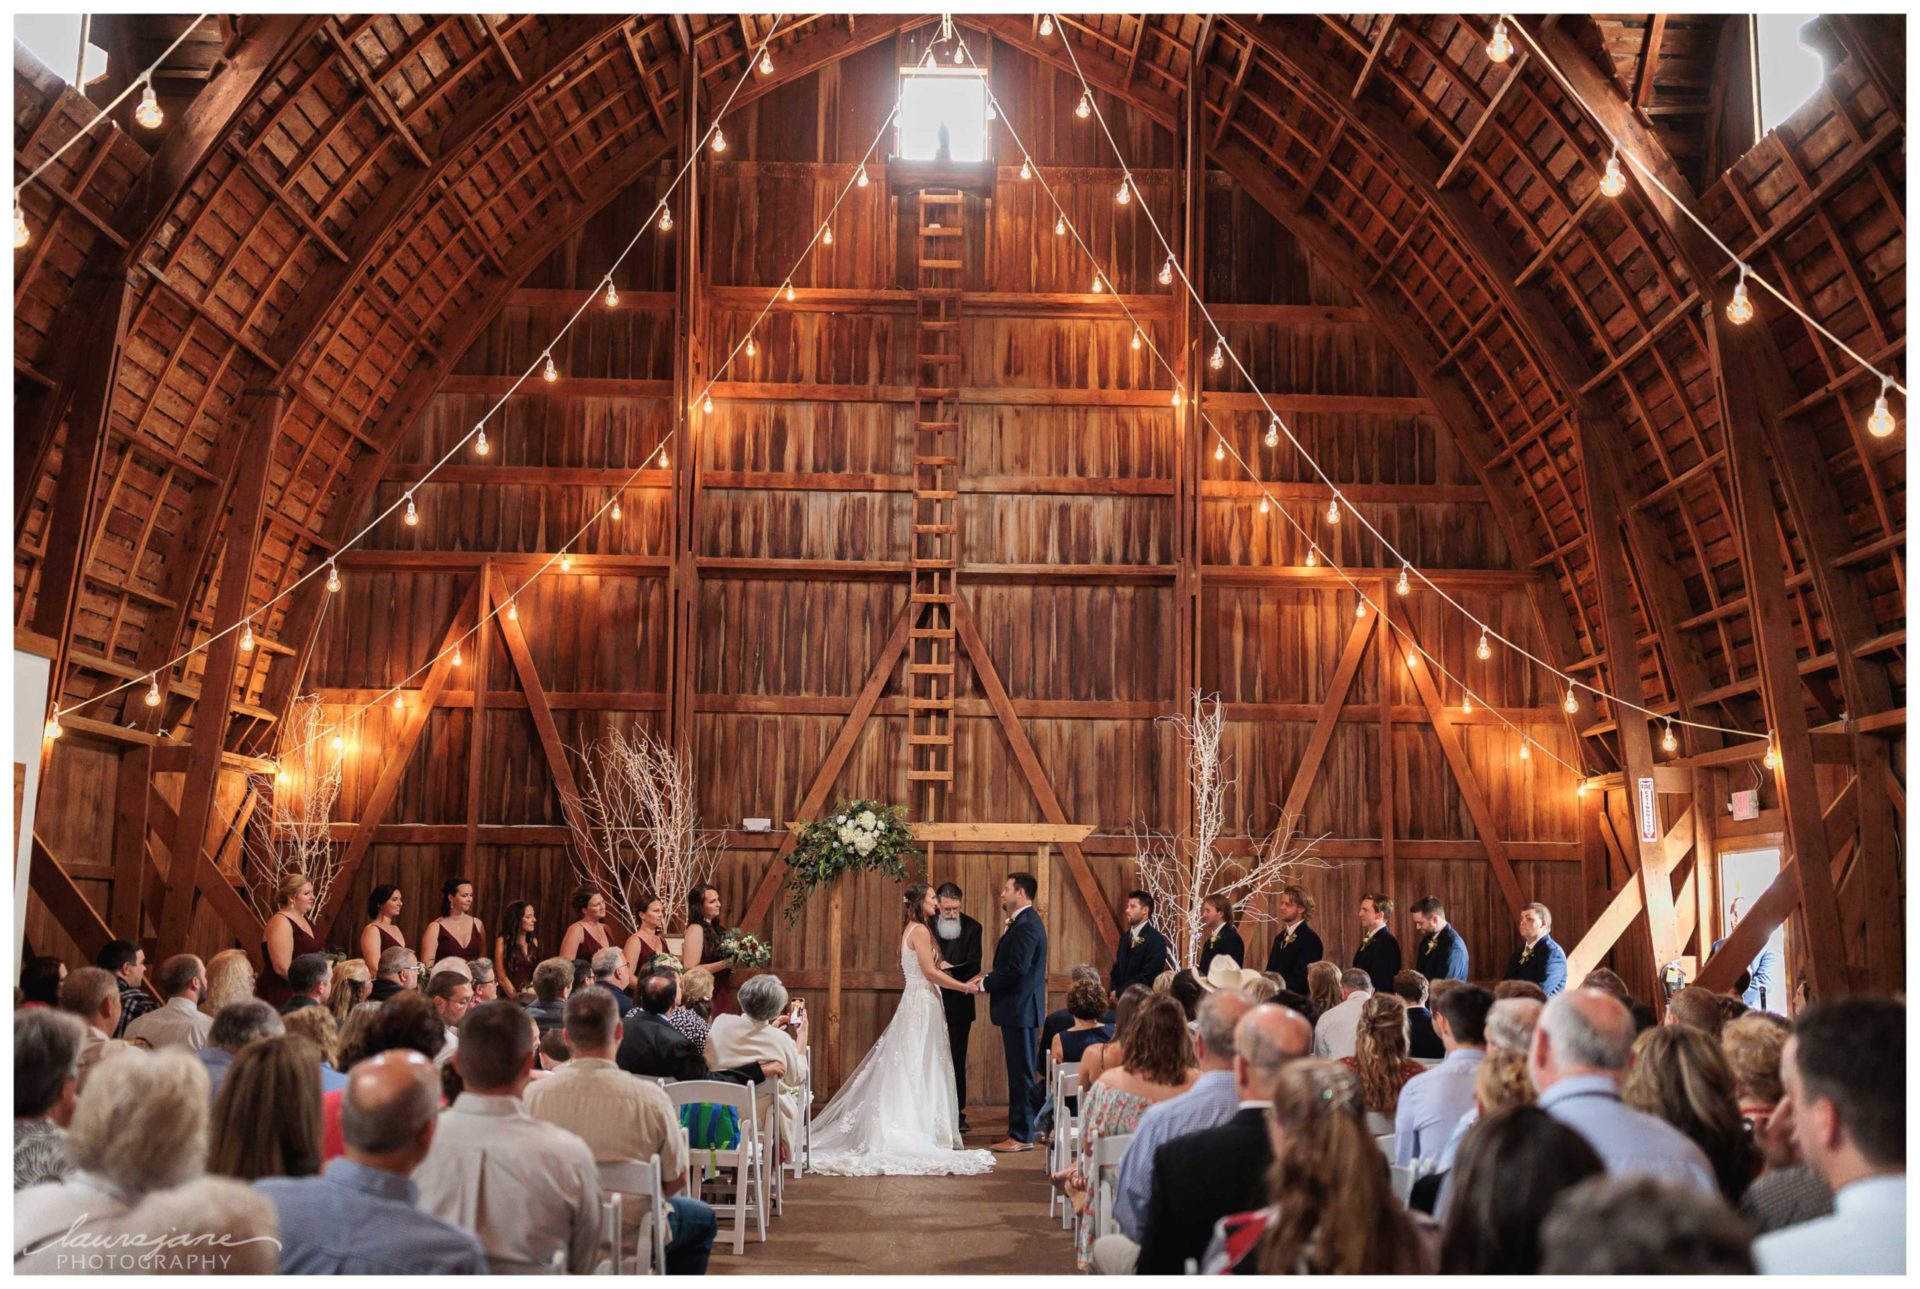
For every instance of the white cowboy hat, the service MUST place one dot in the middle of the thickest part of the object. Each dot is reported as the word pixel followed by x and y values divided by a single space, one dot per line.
pixel 1225 973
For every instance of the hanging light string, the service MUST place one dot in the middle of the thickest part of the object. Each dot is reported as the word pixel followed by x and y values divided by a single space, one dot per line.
pixel 1066 226
pixel 1648 175
pixel 142 81
pixel 653 457
pixel 1408 568
pixel 544 361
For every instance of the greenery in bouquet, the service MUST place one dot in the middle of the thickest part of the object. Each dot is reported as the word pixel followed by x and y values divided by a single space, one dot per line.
pixel 857 837
pixel 743 950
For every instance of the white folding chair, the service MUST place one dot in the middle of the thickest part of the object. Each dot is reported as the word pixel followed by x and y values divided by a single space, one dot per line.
pixel 1379 1124
pixel 1402 1181
pixel 637 1177
pixel 747 1160
pixel 1386 1145
pixel 1066 1136
pixel 804 1155
pixel 1107 1153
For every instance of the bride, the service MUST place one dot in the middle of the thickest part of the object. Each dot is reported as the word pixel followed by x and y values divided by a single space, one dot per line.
pixel 898 1113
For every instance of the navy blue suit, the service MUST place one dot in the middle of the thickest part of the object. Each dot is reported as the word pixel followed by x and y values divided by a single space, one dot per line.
pixel 1291 961
pixel 1546 966
pixel 1017 1003
pixel 1446 959
pixel 1139 964
pixel 1226 943
pixel 1379 957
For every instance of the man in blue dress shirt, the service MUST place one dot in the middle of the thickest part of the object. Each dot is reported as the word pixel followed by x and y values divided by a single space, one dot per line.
pixel 361 1216
pixel 1538 958
pixel 1441 954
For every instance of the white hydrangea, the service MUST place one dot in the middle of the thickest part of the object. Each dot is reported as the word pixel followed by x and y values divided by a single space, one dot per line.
pixel 867 820
pixel 864 844
pixel 846 836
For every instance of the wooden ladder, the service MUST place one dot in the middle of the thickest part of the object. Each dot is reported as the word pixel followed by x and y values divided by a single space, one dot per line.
pixel 936 528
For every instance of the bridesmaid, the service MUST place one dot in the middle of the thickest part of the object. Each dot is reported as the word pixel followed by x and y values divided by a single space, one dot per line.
pixel 288 936
pixel 456 933
pixel 516 950
pixel 382 932
pixel 702 948
pixel 649 938
pixel 589 934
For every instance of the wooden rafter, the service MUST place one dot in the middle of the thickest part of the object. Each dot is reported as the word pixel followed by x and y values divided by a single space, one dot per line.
pixel 1338 687
pixel 539 710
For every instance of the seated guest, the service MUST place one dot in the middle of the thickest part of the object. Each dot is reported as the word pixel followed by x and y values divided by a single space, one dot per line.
pixel 1193 1179
pixel 350 1048
pixel 1440 953
pixel 1503 1079
pixel 1423 1042
pixel 1578 1061
pixel 609 967
pixel 651 1046
pixel 529 1190
pixel 1642 1226
pixel 93 995
pixel 309 977
pixel 140 1125
pixel 1845 1071
pixel 1324 992
pixel 1604 978
pixel 230 978
pixel 406 1021
pixel 1330 1204
pixel 315 1024
pixel 238 1024
pixel 1679 1074
pixel 1336 1032
pixel 362 1216
pixel 692 1016
pixel 1788 1191
pixel 1431 1106
pixel 1522 989
pixel 1185 988
pixel 553 1050
pixel 763 1032
pixel 1058 1021
pixel 621 1117
pixel 1296 946
pixel 1218 939
pixel 399 970
pixel 1513 1165
pixel 1380 1059
pixel 40 982
pixel 1143 952
pixel 1538 959
pixel 552 982
pixel 266 1120
pixel 179 1022
pixel 211 1218
pixel 1697 1007
pixel 1378 953
pixel 1259 989
pixel 126 962
pixel 352 985
pixel 1101 1056
pixel 1086 1004
pixel 46 1086
pixel 451 994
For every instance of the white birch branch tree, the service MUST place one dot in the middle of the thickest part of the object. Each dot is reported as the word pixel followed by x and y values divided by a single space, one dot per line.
pixel 290 830
pixel 644 839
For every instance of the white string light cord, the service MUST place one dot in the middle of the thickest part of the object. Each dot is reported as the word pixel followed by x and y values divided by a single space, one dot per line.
pixel 1339 505
pixel 1646 173
pixel 1065 226
pixel 604 289
pixel 658 457
pixel 144 81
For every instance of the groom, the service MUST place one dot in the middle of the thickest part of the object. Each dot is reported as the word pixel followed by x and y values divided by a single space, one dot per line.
pixel 1018 985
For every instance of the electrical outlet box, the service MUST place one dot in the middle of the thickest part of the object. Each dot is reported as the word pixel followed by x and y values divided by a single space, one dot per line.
pixel 757 825
pixel 1745 805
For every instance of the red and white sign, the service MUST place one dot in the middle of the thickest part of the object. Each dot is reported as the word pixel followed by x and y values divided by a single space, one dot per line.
pixel 1649 812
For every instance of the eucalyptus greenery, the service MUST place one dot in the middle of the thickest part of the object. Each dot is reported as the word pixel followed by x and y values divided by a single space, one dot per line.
pixel 856 837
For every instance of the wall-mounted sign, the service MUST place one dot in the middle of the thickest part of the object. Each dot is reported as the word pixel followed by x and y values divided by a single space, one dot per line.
pixel 1649 812
pixel 1745 805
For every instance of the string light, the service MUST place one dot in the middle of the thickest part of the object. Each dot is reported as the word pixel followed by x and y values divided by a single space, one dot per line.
pixel 752 348
pixel 766 62
pixel 339 744
pixel 1026 168
pixel 1046 25
pixel 1572 702
pixel 790 293
pixel 148 114
pixel 1772 759
pixel 615 512
pixel 333 577
pixel 1881 423
pixel 992 113
pixel 706 404
pixel 1466 703
pixel 719 140
pixel 399 701
pixel 52 730
pixel 480 447
pixel 613 296
pixel 1668 743
pixel 1500 48
pixel 458 659
pixel 666 218
pixel 21 233
pixel 1124 194
pixel 413 516
pixel 1526 748
pixel 1413 658
pixel 1099 284
pixel 566 560
pixel 1333 509
pixel 826 236
pixel 1060 226
pixel 1403 586
pixel 1483 650
pixel 1084 108
pixel 1219 452
pixel 1263 503
pixel 153 691
pixel 1613 183
pixel 1360 609
pixel 860 179
pixel 959 51
pixel 280 773
pixel 513 610
pixel 1177 399
pixel 1136 341
pixel 1166 272
pixel 1218 358
pixel 662 461
pixel 1273 433
pixel 552 373
pixel 1740 308
pixel 246 638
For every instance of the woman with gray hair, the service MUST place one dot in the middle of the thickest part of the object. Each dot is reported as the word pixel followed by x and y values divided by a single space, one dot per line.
pixel 765 1030
pixel 46 1083
pixel 140 1127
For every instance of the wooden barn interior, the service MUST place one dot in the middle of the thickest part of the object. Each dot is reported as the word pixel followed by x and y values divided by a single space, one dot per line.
pixel 952 504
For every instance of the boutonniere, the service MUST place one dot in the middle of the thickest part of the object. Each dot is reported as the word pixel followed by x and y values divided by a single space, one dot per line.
pixel 1007 923
pixel 1363 939
pixel 1135 938
pixel 1286 942
pixel 1526 952
pixel 1435 939
pixel 1215 936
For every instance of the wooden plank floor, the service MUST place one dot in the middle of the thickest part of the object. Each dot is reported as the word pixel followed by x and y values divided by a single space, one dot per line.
pixel 991 1225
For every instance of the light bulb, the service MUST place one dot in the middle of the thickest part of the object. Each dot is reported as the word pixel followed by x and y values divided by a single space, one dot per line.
pixel 153 691
pixel 707 404
pixel 790 294
pixel 1483 650
pixel 1313 557
pixel 993 113
pixel 280 774
pixel 1403 586
pixel 1218 358
pixel 1273 433
pixel 1572 702
pixel 1124 194
pixel 1333 510
pixel 666 218
pixel 1166 272
pixel 1881 423
pixel 752 348
pixel 1500 49
pixel 1526 750
pixel 338 743
pixel 1099 284
pixel 826 236
pixel 413 516
pixel 766 63
pixel 1026 168
pixel 719 139
pixel 1263 503
pixel 552 373
pixel 1740 308
pixel 1360 609
pixel 613 296
pixel 1136 341
pixel 1613 183
pixel 21 233
pixel 661 461
pixel 148 114
pixel 513 611
pixel 1771 760
pixel 459 659
pixel 566 561
pixel 860 179
pixel 1060 226
pixel 246 638
pixel 333 576
pixel 1046 25
pixel 52 730
pixel 399 701
pixel 959 51
pixel 1668 743
pixel 1084 108
pixel 616 508
pixel 1176 400
pixel 480 446
pixel 1219 452
pixel 1466 703
pixel 1413 658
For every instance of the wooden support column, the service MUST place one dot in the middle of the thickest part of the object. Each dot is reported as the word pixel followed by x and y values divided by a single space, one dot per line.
pixel 480 663
pixel 688 443
pixel 244 528
pixel 1389 654
pixel 1189 467
pixel 130 842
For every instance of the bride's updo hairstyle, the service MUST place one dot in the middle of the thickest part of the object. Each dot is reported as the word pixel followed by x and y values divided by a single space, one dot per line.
pixel 916 898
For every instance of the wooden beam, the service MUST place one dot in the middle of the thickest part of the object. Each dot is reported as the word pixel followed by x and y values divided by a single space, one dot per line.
pixel 1329 718
pixel 72 910
pixel 545 728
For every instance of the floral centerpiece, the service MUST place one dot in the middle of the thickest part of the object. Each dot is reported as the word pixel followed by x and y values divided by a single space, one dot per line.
pixel 739 949
pixel 858 836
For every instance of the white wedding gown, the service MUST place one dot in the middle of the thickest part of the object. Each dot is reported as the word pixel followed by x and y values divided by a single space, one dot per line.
pixel 898 1114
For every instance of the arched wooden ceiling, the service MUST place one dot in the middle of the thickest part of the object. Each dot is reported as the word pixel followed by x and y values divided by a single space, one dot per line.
pixel 335 217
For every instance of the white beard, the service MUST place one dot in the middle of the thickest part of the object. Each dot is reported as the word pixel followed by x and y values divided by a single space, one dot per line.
pixel 947 928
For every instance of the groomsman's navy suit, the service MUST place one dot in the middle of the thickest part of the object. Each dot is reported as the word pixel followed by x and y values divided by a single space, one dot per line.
pixel 1017 986
pixel 1142 963
pixel 1224 943
pixel 1291 960
pixel 1546 966
pixel 1443 955
pixel 1379 956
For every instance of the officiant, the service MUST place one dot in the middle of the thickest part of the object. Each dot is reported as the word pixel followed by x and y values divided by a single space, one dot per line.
pixel 956 938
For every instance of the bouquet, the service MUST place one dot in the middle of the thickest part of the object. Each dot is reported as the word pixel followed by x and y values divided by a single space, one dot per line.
pixel 742 950
pixel 858 836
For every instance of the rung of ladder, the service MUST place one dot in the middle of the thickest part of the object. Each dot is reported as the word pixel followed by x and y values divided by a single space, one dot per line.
pixel 939 358
pixel 940 264
pixel 935 394
pixel 931 494
pixel 936 528
pixel 930 776
pixel 929 704
pixel 940 460
pixel 942 565
pixel 940 230
pixel 940 324
pixel 930 740
pixel 937 425
pixel 931 633
pixel 932 597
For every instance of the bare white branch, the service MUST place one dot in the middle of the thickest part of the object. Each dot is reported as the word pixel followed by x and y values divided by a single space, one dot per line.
pixel 289 830
pixel 643 839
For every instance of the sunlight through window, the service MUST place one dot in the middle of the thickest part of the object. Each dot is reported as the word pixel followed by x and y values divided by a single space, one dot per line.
pixel 943 114
pixel 1790 71
pixel 54 38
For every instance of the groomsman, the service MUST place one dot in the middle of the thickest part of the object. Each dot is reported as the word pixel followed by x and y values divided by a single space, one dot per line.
pixel 1442 954
pixel 1379 953
pixel 1142 955
pixel 956 939
pixel 1538 958
pixel 1296 946
pixel 1218 938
